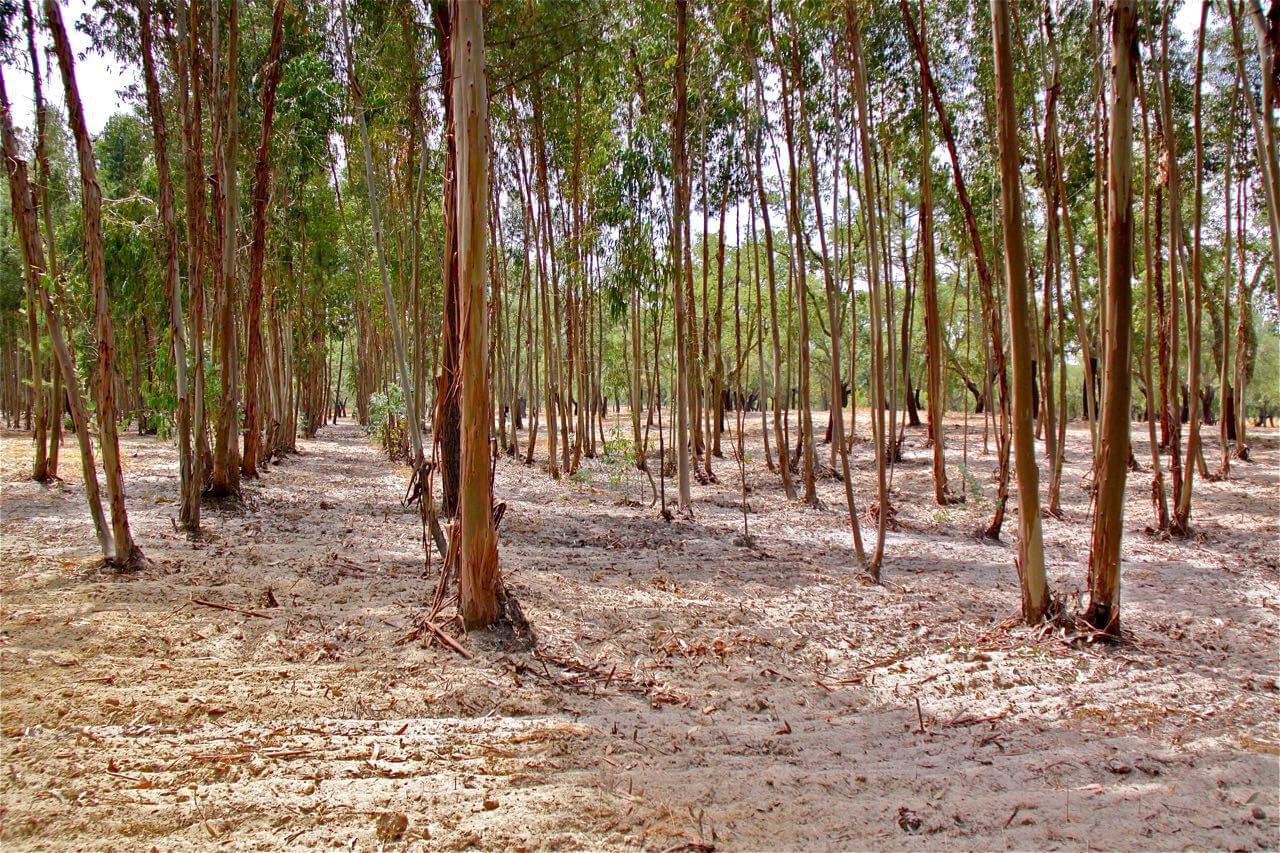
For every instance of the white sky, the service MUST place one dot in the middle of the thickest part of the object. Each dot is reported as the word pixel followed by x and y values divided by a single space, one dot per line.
pixel 100 78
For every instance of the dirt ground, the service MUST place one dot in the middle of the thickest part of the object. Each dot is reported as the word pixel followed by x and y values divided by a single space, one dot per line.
pixel 686 690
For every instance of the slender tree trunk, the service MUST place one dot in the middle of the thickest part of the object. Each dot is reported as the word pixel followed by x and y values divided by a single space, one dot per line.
pixel 929 278
pixel 40 189
pixel 678 254
pixel 867 194
pixel 271 73
pixel 160 136
pixel 986 289
pixel 1182 512
pixel 127 553
pixel 1173 179
pixel 1030 557
pixel 1266 29
pixel 1224 377
pixel 1156 403
pixel 1108 520
pixel 23 205
pixel 779 436
pixel 225 480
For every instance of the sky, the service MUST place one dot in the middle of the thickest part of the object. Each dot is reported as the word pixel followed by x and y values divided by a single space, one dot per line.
pixel 100 78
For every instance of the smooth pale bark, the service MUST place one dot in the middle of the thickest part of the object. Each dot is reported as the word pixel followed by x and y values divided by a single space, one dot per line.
pixel 1030 556
pixel 23 204
pixel 1182 512
pixel 177 336
pixel 779 435
pixel 867 193
pixel 929 278
pixel 127 553
pixel 1152 271
pixel 480 584
pixel 1113 456
pixel 253 447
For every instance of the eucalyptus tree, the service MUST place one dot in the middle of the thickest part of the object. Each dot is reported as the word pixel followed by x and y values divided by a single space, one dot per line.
pixel 23 206
pixel 1113 460
pixel 126 553
pixel 1030 556
pixel 480 583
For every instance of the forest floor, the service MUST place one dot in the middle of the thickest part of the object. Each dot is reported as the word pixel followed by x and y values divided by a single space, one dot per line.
pixel 686 690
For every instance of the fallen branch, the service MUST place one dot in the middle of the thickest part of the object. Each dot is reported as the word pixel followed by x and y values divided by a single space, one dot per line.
pixel 446 639
pixel 240 610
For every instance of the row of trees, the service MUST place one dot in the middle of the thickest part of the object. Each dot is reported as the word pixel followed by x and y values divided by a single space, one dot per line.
pixel 693 207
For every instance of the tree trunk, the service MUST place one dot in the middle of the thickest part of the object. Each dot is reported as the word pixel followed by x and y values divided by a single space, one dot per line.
pixel 1182 512
pixel 867 195
pixel 1108 520
pixel 480 585
pixel 225 480
pixel 929 276
pixel 160 137
pixel 127 553
pixel 678 255
pixel 261 197
pixel 1030 557
pixel 986 288
pixel 23 205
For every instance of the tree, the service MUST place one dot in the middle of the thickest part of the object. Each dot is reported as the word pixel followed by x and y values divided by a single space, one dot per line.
pixel 23 204
pixel 679 252
pixel 1030 557
pixel 188 490
pixel 127 554
pixel 1108 520
pixel 480 583
pixel 929 277
pixel 261 197
pixel 225 83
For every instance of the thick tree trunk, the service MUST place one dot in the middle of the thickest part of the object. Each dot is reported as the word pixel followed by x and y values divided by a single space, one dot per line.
pixel 480 585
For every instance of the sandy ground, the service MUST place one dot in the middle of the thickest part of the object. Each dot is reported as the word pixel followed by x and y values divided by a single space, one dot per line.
pixel 686 690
